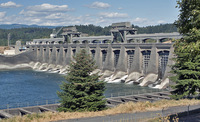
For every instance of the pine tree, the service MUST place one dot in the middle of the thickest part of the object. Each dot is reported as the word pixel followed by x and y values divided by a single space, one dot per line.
pixel 83 92
pixel 187 51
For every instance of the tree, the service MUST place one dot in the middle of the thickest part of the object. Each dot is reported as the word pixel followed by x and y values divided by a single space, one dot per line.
pixel 187 50
pixel 83 92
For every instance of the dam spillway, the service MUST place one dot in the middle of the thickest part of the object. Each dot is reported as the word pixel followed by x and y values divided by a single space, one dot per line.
pixel 141 63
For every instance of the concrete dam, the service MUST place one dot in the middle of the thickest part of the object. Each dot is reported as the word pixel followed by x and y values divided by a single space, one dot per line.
pixel 142 64
pixel 132 61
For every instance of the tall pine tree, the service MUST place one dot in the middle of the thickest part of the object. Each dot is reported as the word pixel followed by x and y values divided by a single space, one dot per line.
pixel 187 50
pixel 83 92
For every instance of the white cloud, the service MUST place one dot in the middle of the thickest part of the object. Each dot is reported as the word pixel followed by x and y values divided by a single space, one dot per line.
pixel 142 21
pixel 113 15
pixel 9 4
pixel 2 15
pixel 55 16
pixel 55 19
pixel 44 10
pixel 120 8
pixel 48 8
pixel 139 20
pixel 146 22
pixel 99 5
pixel 33 13
pixel 161 22
pixel 45 14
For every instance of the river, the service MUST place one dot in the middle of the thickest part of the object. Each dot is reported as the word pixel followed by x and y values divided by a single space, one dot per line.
pixel 27 86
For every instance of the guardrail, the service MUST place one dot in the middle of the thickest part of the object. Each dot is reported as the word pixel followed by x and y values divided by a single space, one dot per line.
pixel 119 94
pixel 27 104
pixel 55 101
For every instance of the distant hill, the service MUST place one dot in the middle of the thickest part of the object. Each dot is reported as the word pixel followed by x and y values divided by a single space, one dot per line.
pixel 12 26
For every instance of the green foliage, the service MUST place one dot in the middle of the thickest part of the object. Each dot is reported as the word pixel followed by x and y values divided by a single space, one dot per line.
pixel 83 92
pixel 23 34
pixel 189 18
pixel 187 50
pixel 162 28
pixel 93 30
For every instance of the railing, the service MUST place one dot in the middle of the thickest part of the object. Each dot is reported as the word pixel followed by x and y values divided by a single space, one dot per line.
pixel 119 94
pixel 27 104
pixel 56 101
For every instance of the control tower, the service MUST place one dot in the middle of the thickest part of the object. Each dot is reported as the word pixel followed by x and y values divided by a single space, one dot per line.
pixel 69 33
pixel 121 30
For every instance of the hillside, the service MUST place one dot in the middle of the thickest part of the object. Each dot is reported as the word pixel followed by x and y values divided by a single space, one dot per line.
pixel 28 33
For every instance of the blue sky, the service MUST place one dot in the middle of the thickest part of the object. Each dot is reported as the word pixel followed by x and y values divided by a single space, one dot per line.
pixel 97 12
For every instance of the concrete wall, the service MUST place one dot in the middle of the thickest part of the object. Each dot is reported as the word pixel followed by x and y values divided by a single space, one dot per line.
pixel 141 62
pixel 22 58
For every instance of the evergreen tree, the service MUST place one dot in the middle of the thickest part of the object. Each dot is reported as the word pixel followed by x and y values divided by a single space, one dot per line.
pixel 83 92
pixel 187 50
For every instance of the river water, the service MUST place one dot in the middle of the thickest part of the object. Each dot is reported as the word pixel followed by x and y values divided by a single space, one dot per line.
pixel 28 86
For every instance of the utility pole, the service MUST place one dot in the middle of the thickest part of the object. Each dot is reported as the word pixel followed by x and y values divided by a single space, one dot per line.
pixel 8 39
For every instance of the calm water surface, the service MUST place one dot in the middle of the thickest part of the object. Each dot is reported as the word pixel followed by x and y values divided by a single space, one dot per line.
pixel 23 86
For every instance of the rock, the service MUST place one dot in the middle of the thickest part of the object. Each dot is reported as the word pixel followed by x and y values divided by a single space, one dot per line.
pixel 134 76
pixel 163 84
pixel 118 75
pixel 150 78
pixel 107 73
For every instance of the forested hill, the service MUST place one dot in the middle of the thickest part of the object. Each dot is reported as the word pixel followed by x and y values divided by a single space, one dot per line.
pixel 97 30
pixel 163 28
pixel 29 33
pixel 23 34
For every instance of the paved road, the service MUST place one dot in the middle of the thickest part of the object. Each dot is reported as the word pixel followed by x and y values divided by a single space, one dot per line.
pixel 191 118
pixel 118 117
pixel 135 117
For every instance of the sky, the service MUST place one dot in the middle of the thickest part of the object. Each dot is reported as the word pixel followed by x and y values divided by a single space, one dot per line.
pixel 84 12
